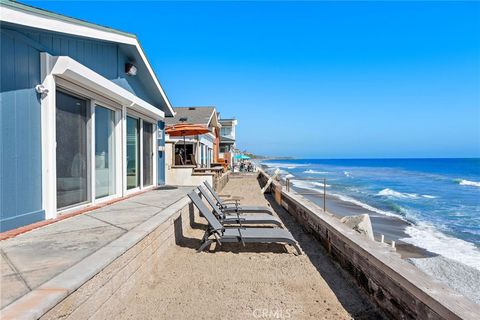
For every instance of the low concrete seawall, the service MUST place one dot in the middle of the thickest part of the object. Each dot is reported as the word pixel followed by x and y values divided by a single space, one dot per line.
pixel 221 181
pixel 397 287
pixel 110 288
pixel 102 280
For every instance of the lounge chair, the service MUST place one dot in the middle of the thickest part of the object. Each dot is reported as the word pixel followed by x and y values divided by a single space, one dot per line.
pixel 179 160
pixel 193 162
pixel 242 235
pixel 233 205
pixel 236 218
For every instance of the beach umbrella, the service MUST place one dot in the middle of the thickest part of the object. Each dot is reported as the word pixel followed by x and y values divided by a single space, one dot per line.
pixel 186 129
pixel 241 157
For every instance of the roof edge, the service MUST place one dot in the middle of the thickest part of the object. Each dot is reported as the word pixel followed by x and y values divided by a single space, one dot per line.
pixel 51 14
pixel 18 13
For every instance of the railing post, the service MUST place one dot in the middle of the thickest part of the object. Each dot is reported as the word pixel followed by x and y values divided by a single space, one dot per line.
pixel 324 195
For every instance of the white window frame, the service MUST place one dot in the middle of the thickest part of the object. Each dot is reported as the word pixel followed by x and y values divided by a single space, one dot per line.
pixel 117 150
pixel 154 151
pixel 139 187
pixel 141 117
pixel 76 79
pixel 90 176
pixel 93 100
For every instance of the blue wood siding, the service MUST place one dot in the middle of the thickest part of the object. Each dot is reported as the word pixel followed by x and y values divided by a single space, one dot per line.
pixel 132 84
pixel 20 118
pixel 20 140
pixel 105 58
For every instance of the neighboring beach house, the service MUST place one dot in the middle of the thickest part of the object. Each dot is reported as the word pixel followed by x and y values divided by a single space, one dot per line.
pixel 82 115
pixel 202 148
pixel 228 139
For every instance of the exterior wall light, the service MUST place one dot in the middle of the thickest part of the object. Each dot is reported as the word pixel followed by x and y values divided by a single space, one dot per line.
pixel 40 88
pixel 130 69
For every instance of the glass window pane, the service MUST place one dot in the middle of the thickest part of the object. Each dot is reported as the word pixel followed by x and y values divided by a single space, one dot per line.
pixel 72 156
pixel 133 153
pixel 147 153
pixel 104 152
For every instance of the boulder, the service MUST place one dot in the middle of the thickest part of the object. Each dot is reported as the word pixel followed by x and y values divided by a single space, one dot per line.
pixel 360 223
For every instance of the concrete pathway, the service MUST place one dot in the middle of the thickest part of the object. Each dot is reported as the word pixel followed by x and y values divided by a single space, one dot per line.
pixel 32 258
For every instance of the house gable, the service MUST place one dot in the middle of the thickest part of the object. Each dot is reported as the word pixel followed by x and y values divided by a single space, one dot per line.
pixel 79 39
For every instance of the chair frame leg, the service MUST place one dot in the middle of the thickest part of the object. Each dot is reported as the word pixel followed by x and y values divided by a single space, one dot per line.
pixel 297 248
pixel 204 245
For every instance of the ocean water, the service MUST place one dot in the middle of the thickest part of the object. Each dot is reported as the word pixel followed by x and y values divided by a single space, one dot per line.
pixel 439 197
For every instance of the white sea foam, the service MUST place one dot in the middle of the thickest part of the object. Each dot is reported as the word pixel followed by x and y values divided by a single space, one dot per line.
pixel 311 185
pixel 366 206
pixel 426 236
pixel 429 238
pixel 395 194
pixel 458 276
pixel 390 193
pixel 347 174
pixel 284 165
pixel 281 172
pixel 315 171
pixel 464 182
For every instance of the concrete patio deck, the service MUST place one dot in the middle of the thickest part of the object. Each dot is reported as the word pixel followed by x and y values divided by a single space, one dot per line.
pixel 33 258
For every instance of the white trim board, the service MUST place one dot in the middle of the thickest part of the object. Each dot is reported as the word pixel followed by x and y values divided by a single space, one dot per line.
pixel 69 69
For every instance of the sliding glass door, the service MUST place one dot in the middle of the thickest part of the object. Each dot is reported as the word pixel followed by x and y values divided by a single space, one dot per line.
pixel 147 153
pixel 104 152
pixel 87 167
pixel 133 153
pixel 72 150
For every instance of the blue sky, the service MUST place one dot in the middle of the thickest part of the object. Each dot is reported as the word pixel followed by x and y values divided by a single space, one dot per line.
pixel 324 79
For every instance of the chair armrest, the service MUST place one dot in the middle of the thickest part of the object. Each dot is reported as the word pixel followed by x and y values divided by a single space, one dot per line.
pixel 236 202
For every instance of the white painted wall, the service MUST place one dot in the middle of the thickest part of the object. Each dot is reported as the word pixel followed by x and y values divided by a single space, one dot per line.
pixel 181 176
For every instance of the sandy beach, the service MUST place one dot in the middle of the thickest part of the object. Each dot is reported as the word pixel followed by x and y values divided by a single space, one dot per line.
pixel 252 282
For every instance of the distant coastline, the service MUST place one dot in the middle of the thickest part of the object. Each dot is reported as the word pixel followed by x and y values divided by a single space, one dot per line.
pixel 261 157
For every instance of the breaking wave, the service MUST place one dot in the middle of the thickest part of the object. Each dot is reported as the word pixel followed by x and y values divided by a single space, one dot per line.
pixel 390 193
pixel 398 209
pixel 312 185
pixel 315 171
pixel 464 182
pixel 284 165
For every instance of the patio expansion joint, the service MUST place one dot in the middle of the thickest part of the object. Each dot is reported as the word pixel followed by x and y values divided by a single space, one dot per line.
pixel 69 280
pixel 150 205
pixel 109 223
pixel 18 274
